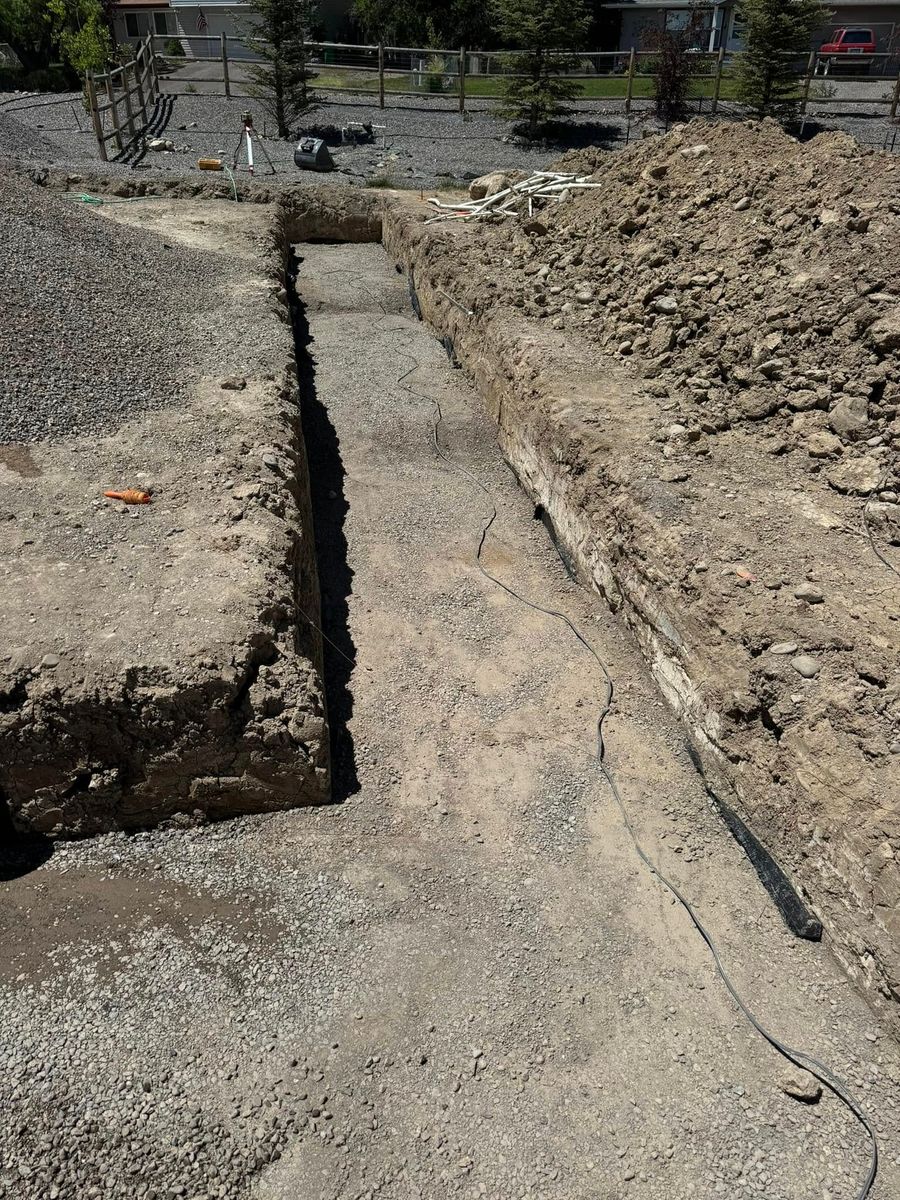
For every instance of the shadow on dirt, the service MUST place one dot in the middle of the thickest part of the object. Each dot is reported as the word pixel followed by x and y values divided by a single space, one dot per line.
pixel 329 506
pixel 19 853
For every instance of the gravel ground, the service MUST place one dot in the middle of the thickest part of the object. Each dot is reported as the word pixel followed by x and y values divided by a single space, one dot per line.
pixel 97 327
pixel 94 327
pixel 425 140
pixel 459 982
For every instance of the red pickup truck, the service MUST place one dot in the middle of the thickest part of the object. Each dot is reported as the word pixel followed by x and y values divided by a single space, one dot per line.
pixel 844 43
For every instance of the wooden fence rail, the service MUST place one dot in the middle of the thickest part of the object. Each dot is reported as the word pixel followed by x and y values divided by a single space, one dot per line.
pixel 120 99
pixel 218 65
pixel 131 91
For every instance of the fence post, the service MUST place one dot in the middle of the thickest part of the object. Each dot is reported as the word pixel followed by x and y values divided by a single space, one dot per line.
pixel 126 93
pixel 807 82
pixel 717 86
pixel 225 65
pixel 630 92
pixel 462 79
pixel 114 111
pixel 381 74
pixel 95 115
pixel 139 80
pixel 895 103
pixel 154 78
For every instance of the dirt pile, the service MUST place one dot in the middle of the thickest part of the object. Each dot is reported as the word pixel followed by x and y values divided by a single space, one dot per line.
pixel 96 323
pixel 750 276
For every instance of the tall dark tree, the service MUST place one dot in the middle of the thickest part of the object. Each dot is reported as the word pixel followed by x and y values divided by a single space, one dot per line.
pixel 777 36
pixel 281 79
pixel 537 88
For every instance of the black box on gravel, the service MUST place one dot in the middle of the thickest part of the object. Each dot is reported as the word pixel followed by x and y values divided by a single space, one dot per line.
pixel 313 155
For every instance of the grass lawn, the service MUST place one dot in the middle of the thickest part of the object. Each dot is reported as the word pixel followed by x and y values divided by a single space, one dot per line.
pixel 602 87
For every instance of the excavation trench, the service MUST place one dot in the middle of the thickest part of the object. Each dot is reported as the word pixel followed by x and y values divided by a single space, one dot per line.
pixel 365 222
pixel 544 412
pixel 465 957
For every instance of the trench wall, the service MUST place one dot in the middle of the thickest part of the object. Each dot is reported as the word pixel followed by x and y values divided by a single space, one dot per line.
pixel 834 859
pixel 236 723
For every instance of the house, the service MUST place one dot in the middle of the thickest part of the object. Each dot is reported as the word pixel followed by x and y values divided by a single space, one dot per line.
pixel 184 20
pixel 721 27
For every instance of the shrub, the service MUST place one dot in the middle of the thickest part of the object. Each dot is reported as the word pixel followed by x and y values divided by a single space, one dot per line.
pixel 777 35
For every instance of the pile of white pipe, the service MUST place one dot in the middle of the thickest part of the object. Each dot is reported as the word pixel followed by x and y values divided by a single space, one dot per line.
pixel 540 186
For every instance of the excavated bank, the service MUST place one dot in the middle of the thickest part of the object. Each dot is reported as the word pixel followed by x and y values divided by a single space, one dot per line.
pixel 821 803
pixel 164 660
pixel 824 808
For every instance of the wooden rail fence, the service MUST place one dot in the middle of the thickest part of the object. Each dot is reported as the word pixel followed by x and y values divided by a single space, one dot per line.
pixel 130 92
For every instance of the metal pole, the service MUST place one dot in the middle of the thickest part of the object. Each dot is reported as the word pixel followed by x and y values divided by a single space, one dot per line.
pixel 717 87
pixel 630 92
pixel 381 74
pixel 225 65
pixel 807 82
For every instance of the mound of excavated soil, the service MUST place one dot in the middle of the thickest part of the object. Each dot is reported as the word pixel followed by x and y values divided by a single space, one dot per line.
pixel 754 278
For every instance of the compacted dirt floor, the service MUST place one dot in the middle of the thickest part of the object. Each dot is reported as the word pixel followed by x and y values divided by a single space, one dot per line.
pixel 460 980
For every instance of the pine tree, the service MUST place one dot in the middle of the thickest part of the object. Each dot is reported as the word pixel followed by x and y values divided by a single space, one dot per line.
pixel 777 35
pixel 280 81
pixel 548 32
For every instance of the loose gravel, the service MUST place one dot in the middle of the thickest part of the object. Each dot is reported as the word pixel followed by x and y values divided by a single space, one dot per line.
pixel 425 141
pixel 98 321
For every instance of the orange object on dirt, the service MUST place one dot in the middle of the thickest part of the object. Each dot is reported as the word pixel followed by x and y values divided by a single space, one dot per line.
pixel 129 496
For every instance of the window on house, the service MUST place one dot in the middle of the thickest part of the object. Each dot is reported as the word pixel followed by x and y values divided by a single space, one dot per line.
pixel 131 25
pixel 161 24
pixel 678 20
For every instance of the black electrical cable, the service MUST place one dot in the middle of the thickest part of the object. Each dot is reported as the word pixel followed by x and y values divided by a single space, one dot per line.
pixel 799 1058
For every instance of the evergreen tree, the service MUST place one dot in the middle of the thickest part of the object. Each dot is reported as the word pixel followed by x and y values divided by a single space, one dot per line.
pixel 280 81
pixel 777 35
pixel 549 32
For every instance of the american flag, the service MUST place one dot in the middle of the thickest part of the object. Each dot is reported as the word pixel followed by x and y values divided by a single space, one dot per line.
pixel 202 23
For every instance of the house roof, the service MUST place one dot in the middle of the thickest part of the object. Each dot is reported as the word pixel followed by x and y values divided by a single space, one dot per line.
pixel 205 4
pixel 130 5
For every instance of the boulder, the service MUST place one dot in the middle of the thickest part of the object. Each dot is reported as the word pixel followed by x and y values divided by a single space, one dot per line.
pixel 489 185
pixel 884 334
pixel 850 416
pixel 859 475
pixel 823 444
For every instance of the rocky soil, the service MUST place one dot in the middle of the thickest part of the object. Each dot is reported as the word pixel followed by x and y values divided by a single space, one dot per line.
pixel 160 660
